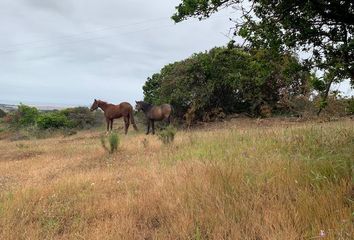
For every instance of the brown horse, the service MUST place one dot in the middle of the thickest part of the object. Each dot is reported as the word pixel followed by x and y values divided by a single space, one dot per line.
pixel 154 113
pixel 112 112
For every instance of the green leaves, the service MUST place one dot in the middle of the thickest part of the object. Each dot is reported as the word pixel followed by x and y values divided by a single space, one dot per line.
pixel 53 120
pixel 24 116
pixel 323 28
pixel 79 117
pixel 167 135
pixel 197 8
pixel 318 84
pixel 226 80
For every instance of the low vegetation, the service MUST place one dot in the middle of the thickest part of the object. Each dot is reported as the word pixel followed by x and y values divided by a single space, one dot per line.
pixel 167 135
pixel 2 113
pixel 113 143
pixel 28 122
pixel 245 179
pixel 350 107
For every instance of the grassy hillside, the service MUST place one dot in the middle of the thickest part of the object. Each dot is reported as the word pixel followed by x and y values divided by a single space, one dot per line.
pixel 240 180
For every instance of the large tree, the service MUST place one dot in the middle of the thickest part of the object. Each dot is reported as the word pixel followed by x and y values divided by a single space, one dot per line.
pixel 322 28
pixel 227 80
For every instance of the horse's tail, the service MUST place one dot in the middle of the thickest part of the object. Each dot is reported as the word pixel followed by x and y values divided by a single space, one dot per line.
pixel 131 116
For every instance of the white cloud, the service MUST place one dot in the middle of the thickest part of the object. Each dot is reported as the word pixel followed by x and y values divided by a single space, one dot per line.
pixel 69 52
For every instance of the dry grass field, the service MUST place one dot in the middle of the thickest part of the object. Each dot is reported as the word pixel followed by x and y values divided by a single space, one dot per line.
pixel 244 179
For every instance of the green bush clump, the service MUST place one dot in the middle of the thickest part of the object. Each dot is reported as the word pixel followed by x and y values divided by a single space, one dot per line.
pixel 2 113
pixel 27 115
pixel 53 120
pixel 350 108
pixel 113 140
pixel 167 135
pixel 82 117
pixel 227 80
pixel 24 116
pixel 28 121
pixel 78 118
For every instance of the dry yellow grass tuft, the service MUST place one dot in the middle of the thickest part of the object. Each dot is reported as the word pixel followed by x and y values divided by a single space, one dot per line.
pixel 243 180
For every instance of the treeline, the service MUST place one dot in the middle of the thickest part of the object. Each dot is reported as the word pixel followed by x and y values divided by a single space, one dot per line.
pixel 70 118
pixel 232 79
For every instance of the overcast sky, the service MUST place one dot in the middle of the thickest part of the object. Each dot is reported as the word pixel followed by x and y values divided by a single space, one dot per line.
pixel 69 52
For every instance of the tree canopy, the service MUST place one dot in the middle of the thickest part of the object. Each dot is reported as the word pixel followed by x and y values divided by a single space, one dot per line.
pixel 227 80
pixel 322 28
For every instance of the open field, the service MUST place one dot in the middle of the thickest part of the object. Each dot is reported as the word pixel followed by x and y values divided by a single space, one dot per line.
pixel 244 179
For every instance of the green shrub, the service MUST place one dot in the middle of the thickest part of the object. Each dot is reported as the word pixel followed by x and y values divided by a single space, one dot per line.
pixel 113 140
pixel 24 116
pixel 350 107
pixel 82 117
pixel 2 113
pixel 167 135
pixel 28 115
pixel 53 120
pixel 209 85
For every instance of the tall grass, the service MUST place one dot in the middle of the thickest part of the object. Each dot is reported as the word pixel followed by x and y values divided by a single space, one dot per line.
pixel 113 141
pixel 274 182
pixel 167 135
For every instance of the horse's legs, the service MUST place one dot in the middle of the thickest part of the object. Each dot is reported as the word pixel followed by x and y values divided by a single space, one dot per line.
pixel 108 121
pixel 128 122
pixel 111 125
pixel 126 125
pixel 148 128
pixel 153 126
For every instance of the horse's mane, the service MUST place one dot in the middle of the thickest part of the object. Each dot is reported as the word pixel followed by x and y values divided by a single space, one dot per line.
pixel 100 101
pixel 146 105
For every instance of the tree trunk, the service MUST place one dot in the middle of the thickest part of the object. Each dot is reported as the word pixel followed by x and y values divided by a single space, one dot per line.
pixel 325 96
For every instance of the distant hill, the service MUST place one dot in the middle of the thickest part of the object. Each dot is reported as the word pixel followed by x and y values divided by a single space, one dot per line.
pixel 8 107
pixel 12 107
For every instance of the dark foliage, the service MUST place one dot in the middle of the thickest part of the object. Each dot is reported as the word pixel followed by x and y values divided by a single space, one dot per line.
pixel 2 113
pixel 227 80
pixel 82 117
pixel 322 28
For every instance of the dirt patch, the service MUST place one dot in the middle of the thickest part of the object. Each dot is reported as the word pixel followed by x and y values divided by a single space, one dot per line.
pixel 77 139
pixel 19 155
pixel 5 182
pixel 5 135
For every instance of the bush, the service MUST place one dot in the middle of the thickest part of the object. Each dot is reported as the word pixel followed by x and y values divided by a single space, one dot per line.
pixel 334 106
pixel 82 117
pixel 265 110
pixel 24 116
pixel 350 107
pixel 2 113
pixel 27 115
pixel 79 118
pixel 301 106
pixel 53 120
pixel 113 140
pixel 167 135
pixel 207 86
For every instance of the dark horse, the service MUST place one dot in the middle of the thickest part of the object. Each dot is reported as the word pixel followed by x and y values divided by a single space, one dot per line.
pixel 112 112
pixel 154 113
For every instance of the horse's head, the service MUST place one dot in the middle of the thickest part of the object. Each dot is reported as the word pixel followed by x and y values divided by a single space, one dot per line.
pixel 94 105
pixel 139 105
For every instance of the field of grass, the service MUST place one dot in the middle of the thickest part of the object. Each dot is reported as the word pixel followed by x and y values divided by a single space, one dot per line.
pixel 245 179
